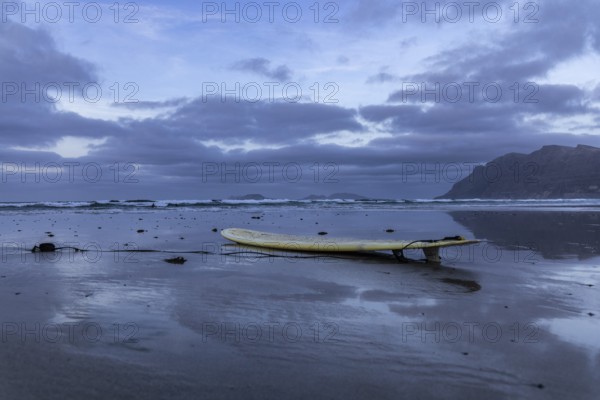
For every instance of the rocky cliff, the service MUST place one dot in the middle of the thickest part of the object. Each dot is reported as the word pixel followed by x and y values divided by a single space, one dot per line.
pixel 549 173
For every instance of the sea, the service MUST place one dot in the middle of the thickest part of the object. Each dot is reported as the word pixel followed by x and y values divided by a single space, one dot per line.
pixel 115 206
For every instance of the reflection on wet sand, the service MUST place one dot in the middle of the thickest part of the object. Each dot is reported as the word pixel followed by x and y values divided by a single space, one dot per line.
pixel 468 285
pixel 249 326
pixel 581 330
pixel 552 234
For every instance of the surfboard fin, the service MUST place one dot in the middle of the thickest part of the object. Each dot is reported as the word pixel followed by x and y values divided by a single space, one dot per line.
pixel 432 254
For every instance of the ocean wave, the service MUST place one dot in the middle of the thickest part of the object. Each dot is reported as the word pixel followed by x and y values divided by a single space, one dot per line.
pixel 124 205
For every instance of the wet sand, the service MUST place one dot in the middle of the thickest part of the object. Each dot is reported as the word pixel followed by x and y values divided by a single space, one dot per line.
pixel 517 316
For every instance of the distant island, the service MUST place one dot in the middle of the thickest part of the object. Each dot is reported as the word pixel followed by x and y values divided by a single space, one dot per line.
pixel 551 172
pixel 335 196
pixel 253 196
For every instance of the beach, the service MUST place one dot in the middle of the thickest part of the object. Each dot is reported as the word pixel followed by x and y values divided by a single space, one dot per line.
pixel 514 316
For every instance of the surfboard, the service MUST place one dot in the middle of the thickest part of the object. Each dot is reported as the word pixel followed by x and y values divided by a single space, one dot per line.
pixel 333 245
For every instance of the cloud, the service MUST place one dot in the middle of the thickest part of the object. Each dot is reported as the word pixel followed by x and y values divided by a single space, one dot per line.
pixel 31 55
pixel 152 105
pixel 528 51
pixel 409 42
pixel 32 68
pixel 172 149
pixel 425 112
pixel 382 77
pixel 264 122
pixel 260 66
pixel 343 60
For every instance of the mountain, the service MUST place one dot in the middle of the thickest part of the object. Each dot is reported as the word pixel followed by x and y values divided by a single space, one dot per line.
pixel 549 173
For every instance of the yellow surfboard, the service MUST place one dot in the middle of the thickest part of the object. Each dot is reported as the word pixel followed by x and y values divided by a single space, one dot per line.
pixel 333 245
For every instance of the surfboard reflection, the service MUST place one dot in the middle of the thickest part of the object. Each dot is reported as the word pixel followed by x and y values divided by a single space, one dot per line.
pixel 552 234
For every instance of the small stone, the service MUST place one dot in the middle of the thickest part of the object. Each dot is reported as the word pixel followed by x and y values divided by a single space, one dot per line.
pixel 176 260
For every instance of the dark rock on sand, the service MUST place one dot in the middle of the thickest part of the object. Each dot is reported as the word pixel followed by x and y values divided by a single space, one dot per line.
pixel 44 248
pixel 176 260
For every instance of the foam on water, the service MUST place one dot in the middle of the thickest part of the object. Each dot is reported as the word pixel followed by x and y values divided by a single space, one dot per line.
pixel 367 204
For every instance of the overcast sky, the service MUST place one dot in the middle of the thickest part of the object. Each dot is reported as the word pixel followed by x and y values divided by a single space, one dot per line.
pixel 195 100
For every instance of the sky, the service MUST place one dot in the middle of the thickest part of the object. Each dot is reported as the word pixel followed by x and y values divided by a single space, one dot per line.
pixel 207 100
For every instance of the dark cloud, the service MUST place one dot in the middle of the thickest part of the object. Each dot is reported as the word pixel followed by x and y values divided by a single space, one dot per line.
pixel 34 73
pixel 595 93
pixel 30 56
pixel 382 77
pixel 260 66
pixel 263 122
pixel 527 52
pixel 425 112
pixel 562 99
